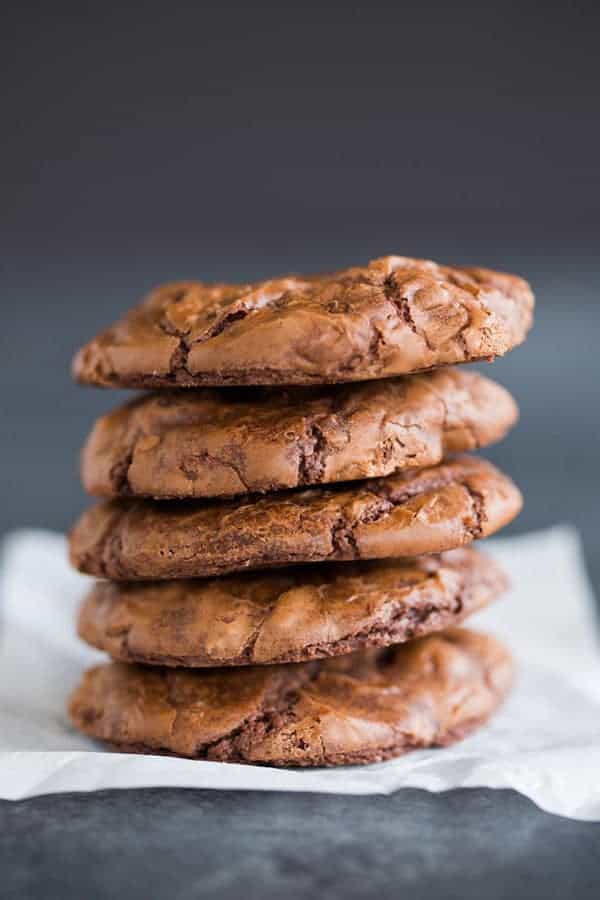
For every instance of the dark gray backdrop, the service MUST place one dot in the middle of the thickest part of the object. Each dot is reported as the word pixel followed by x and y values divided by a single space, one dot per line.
pixel 237 140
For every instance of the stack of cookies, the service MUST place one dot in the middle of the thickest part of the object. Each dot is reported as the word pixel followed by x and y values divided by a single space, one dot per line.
pixel 284 545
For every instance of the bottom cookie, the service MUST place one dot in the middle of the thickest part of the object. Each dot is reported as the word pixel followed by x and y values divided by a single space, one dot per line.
pixel 365 707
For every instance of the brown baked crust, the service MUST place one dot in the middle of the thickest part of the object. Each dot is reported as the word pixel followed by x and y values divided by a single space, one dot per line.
pixel 288 615
pixel 392 317
pixel 218 443
pixel 358 708
pixel 407 514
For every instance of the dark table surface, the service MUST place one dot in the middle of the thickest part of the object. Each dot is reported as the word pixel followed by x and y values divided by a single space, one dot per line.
pixel 183 844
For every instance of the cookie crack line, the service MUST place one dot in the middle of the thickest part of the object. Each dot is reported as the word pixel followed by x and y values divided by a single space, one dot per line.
pixel 277 711
pixel 119 472
pixel 404 624
pixel 247 654
pixel 478 501
pixel 210 749
pixel 204 455
pixel 343 532
pixel 178 363
pixel 402 306
pixel 179 357
pixel 343 538
pixel 311 460
pixel 106 550
pixel 223 320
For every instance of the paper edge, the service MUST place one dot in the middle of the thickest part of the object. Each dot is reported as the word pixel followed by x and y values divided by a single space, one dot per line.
pixel 65 764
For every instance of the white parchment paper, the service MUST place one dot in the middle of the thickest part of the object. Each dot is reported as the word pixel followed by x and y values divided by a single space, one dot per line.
pixel 545 742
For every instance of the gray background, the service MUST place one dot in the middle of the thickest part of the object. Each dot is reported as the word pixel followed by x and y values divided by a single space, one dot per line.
pixel 240 140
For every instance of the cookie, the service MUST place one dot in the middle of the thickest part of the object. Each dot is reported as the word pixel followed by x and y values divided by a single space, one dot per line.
pixel 288 615
pixel 359 708
pixel 392 317
pixel 218 443
pixel 427 511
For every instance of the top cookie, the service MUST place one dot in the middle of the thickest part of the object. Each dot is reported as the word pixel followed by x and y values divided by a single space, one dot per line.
pixel 392 317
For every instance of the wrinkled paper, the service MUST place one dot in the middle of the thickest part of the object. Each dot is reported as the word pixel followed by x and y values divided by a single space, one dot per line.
pixel 545 742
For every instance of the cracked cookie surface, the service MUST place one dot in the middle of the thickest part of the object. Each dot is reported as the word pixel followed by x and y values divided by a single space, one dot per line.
pixel 218 443
pixel 394 316
pixel 288 615
pixel 407 514
pixel 359 708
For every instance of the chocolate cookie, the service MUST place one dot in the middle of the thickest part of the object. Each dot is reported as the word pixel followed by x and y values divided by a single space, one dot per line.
pixel 427 511
pixel 211 443
pixel 360 708
pixel 289 615
pixel 392 317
